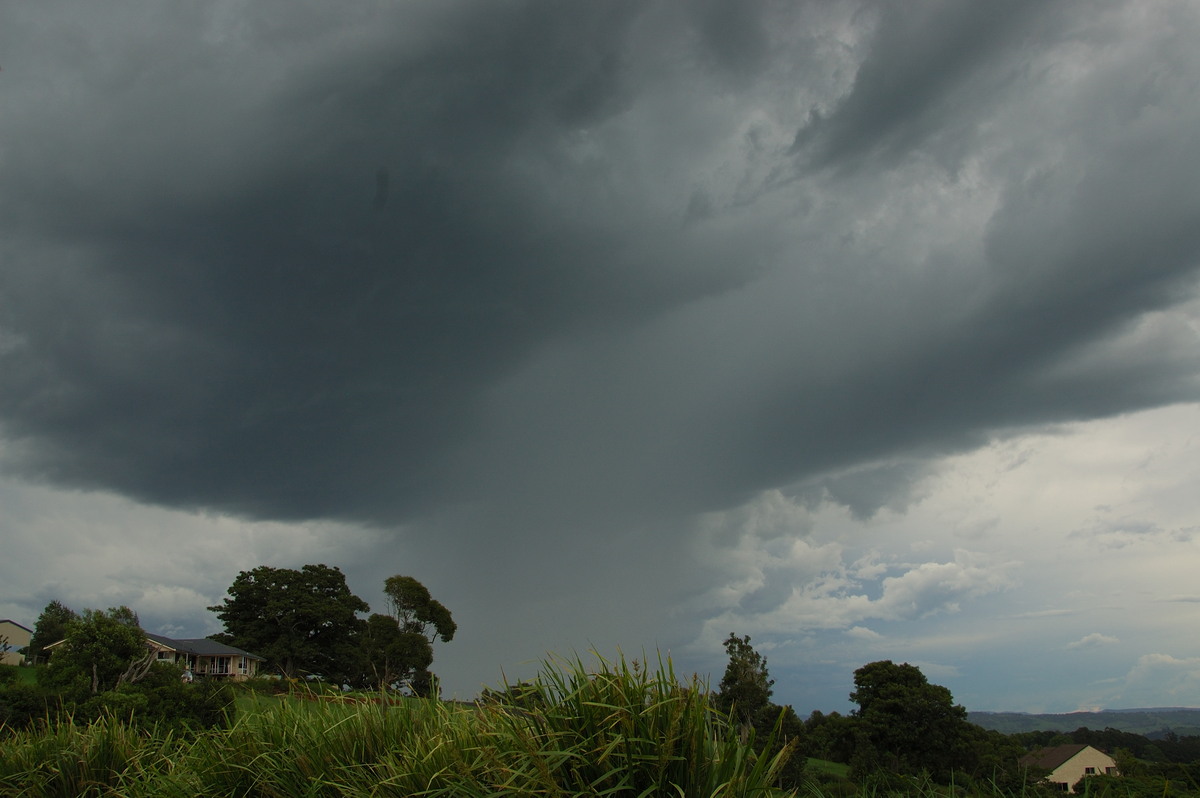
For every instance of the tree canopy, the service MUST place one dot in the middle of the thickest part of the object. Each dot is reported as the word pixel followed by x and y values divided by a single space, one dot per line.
pixel 746 686
pixel 100 652
pixel 302 621
pixel 51 627
pixel 745 693
pixel 399 645
pixel 906 724
pixel 416 610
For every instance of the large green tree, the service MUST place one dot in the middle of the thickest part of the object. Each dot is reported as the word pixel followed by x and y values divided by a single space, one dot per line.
pixel 101 651
pixel 302 621
pixel 393 655
pixel 399 645
pixel 745 687
pixel 51 627
pixel 907 725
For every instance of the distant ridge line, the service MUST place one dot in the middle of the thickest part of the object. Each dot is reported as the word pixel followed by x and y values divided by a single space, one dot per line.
pixel 1080 711
pixel 1183 721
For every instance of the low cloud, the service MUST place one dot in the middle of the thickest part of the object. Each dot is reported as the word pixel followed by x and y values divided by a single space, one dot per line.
pixel 1092 641
pixel 863 633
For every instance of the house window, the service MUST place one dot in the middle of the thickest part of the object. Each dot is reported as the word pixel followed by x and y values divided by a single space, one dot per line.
pixel 164 656
pixel 1089 771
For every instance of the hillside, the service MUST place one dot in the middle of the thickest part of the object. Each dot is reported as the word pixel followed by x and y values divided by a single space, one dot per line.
pixel 1148 722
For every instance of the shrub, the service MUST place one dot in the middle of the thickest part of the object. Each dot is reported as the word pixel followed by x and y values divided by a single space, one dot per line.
pixel 22 704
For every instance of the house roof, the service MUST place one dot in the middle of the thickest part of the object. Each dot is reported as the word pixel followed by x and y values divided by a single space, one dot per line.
pixel 1051 758
pixel 202 647
pixel 14 623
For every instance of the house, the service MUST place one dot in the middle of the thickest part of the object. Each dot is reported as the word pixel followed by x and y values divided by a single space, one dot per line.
pixel 204 657
pixel 1067 764
pixel 14 637
pixel 200 657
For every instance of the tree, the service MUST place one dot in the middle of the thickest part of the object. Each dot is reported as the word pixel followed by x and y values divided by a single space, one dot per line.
pixel 302 622
pixel 745 688
pixel 393 655
pixel 399 645
pixel 101 651
pixel 907 725
pixel 51 627
pixel 416 610
pixel 745 694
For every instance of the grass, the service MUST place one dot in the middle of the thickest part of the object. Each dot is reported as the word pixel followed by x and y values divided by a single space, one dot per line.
pixel 836 769
pixel 596 729
pixel 26 675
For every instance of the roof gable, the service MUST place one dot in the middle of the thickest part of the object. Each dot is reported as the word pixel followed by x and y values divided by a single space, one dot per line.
pixel 200 647
pixel 14 623
pixel 1051 758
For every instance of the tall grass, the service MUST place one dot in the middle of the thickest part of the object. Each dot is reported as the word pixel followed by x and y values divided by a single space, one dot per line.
pixel 66 760
pixel 614 728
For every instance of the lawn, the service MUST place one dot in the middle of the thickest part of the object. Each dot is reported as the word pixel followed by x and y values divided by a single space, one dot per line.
pixel 816 766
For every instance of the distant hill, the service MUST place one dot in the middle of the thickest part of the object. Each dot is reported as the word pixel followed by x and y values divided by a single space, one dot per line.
pixel 1152 723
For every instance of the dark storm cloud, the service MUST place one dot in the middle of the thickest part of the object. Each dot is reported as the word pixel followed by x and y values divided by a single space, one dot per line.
pixel 524 256
pixel 925 62
pixel 277 349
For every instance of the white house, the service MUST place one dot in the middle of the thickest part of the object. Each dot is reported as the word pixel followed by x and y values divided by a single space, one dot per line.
pixel 14 636
pixel 1068 764
pixel 204 657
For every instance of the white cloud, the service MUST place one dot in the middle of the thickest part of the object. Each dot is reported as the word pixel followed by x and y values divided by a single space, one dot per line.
pixel 1162 680
pixel 1093 640
pixel 863 633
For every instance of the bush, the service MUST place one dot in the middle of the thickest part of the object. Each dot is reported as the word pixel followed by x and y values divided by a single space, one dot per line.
pixel 21 705
pixel 162 698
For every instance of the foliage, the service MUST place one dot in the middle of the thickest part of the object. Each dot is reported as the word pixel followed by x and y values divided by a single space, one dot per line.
pixel 522 695
pixel 615 729
pixel 51 627
pixel 66 759
pixel 745 688
pixel 745 694
pixel 393 654
pixel 830 737
pixel 163 699
pixel 398 647
pixel 22 704
pixel 301 621
pixel 416 610
pixel 101 651
pixel 907 725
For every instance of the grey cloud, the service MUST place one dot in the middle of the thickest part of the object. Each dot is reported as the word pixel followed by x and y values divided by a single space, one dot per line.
pixel 869 489
pixel 530 271
pixel 924 62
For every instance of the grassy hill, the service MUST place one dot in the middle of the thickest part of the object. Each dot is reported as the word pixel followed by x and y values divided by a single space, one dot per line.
pixel 1147 722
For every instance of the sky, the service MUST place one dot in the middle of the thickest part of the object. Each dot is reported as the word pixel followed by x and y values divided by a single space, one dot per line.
pixel 868 330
